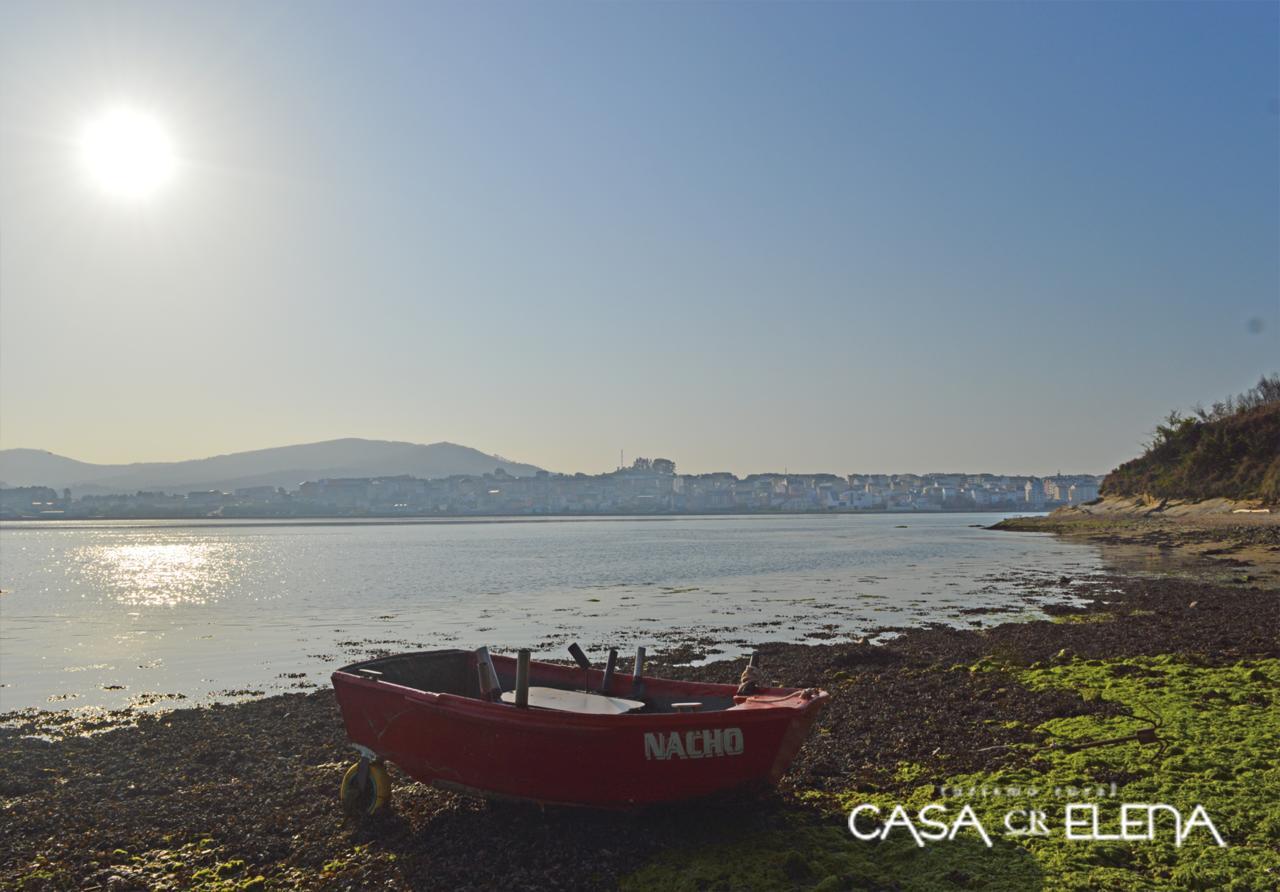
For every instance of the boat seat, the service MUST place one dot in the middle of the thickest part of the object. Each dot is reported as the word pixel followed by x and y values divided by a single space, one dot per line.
pixel 575 701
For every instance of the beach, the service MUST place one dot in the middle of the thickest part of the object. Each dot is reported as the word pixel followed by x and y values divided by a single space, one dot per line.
pixel 245 795
pixel 1238 542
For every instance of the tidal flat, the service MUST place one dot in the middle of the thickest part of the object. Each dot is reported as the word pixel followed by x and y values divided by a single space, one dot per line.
pixel 241 796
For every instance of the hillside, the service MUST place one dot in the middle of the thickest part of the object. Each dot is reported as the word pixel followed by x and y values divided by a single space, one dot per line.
pixel 1233 457
pixel 285 466
pixel 33 467
pixel 1183 494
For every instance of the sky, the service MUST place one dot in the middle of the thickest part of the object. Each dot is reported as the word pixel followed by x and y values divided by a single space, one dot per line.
pixel 746 237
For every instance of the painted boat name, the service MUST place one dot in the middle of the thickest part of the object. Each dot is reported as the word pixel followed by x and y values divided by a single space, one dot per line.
pixel 703 744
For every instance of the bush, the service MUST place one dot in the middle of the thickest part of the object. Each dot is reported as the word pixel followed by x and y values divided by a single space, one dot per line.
pixel 1230 451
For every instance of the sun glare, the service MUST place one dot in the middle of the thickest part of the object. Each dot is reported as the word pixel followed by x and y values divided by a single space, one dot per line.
pixel 127 153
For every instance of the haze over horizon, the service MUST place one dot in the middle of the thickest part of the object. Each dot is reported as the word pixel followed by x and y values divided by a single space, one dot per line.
pixel 861 237
pixel 625 456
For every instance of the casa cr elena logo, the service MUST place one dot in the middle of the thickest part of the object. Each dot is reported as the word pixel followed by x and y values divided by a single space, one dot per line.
pixel 1130 821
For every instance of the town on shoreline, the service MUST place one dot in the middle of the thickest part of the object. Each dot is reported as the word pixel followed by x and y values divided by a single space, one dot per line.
pixel 645 487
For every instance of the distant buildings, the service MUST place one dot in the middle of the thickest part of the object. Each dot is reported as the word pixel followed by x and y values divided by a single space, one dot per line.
pixel 31 501
pixel 646 487
pixel 1060 490
pixel 1082 491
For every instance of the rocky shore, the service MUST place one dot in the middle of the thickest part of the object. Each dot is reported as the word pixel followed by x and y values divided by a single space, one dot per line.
pixel 244 796
pixel 1239 540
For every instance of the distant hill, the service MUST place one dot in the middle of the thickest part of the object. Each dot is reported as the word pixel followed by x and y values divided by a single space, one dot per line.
pixel 1231 451
pixel 285 466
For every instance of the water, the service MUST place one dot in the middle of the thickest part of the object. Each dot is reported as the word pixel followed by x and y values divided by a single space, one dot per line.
pixel 133 612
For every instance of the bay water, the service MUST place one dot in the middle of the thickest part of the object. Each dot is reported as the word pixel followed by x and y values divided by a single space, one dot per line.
pixel 170 613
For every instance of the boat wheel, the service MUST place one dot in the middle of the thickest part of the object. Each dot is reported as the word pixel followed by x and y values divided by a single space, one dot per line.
pixel 366 789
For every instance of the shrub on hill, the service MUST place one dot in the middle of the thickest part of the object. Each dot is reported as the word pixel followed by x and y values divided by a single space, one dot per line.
pixel 1231 450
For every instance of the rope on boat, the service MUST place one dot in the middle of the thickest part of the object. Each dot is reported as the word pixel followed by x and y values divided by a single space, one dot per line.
pixel 753 679
pixel 807 694
pixel 750 679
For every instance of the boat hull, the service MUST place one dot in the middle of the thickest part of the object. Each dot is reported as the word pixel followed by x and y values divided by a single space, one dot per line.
pixel 554 757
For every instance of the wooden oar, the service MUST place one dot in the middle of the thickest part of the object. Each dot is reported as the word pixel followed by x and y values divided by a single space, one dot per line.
pixel 578 656
pixel 637 675
pixel 608 670
pixel 522 678
pixel 490 687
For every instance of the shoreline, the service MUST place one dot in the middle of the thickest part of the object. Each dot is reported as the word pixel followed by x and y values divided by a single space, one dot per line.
pixel 244 795
pixel 1245 546
pixel 249 520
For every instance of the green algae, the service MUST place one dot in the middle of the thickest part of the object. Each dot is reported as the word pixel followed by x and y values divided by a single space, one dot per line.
pixel 1219 733
pixel 1075 618
pixel 1220 727
pixel 1097 616
pixel 825 857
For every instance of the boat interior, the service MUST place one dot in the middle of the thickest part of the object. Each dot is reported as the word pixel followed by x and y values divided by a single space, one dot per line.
pixel 477 675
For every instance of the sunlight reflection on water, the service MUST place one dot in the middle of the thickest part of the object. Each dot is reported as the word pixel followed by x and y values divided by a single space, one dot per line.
pixel 159 574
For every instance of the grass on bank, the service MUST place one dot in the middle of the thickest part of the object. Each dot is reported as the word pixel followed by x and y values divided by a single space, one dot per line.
pixel 1221 726
pixel 1228 451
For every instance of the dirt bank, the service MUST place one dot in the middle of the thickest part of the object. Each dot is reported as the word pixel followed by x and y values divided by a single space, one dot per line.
pixel 1243 548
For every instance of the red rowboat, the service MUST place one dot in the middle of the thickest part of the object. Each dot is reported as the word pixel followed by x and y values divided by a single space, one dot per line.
pixel 583 737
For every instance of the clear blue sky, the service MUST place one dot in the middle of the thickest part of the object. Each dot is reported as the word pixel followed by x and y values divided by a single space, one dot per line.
pixel 865 237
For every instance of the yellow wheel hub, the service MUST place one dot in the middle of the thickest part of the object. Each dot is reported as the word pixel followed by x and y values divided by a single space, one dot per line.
pixel 367 795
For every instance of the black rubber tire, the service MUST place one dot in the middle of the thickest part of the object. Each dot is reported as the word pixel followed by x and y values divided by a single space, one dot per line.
pixel 367 799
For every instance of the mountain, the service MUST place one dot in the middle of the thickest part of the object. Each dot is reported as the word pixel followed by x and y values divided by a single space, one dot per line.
pixel 285 466
pixel 32 467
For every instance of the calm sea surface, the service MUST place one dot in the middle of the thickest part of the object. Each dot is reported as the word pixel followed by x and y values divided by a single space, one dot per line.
pixel 116 613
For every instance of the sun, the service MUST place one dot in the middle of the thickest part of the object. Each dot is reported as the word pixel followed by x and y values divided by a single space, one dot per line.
pixel 127 153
